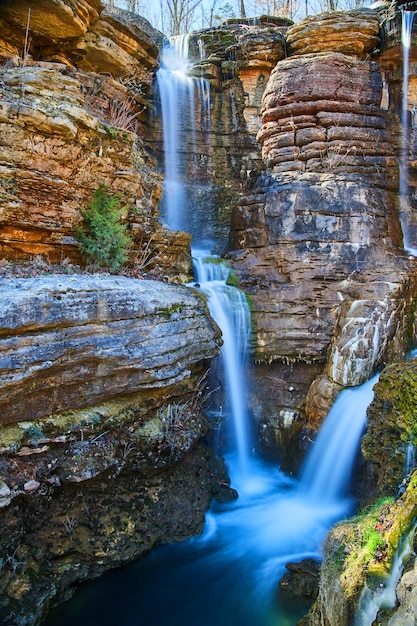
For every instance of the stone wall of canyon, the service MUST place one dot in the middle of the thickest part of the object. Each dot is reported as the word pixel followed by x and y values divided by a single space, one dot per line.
pixel 318 242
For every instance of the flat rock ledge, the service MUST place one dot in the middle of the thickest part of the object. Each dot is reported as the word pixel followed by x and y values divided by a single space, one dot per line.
pixel 67 342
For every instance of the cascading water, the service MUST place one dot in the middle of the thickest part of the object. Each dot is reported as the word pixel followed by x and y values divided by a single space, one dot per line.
pixel 328 469
pixel 406 31
pixel 228 576
pixel 177 92
pixel 229 308
pixel 174 86
pixel 383 594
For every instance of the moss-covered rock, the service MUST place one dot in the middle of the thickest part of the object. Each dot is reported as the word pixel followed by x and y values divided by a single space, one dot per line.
pixel 361 551
pixel 392 427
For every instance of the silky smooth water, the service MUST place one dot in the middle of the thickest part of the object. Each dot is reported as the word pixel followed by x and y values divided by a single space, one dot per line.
pixel 179 95
pixel 229 575
pixel 230 309
pixel 327 472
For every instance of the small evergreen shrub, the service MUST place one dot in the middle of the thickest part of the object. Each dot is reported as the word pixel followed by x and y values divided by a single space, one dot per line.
pixel 104 240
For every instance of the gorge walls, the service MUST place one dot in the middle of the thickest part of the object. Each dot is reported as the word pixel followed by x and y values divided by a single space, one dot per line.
pixel 102 384
pixel 103 377
pixel 317 242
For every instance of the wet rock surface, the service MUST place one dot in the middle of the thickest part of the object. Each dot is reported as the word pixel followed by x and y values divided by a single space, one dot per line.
pixel 388 444
pixel 98 525
pixel 301 581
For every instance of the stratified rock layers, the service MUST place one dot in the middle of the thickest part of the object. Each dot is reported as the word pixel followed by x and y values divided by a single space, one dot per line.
pixel 322 113
pixel 88 339
pixel 318 243
pixel 101 383
pixel 354 33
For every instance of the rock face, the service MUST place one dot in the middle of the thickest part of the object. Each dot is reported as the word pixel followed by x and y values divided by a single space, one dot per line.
pixel 361 551
pixel 318 243
pixel 221 156
pixel 354 33
pixel 388 445
pixel 102 383
pixel 330 125
pixel 73 121
pixel 91 338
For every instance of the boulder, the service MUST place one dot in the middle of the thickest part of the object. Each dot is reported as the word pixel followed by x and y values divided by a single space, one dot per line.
pixel 88 339
pixel 355 33
pixel 301 581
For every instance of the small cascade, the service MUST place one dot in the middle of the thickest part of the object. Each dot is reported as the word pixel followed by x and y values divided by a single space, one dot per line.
pixel 184 99
pixel 383 594
pixel 409 459
pixel 201 49
pixel 229 308
pixel 329 466
pixel 406 31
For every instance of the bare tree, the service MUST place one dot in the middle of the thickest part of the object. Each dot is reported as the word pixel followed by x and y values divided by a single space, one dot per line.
pixel 181 14
pixel 279 8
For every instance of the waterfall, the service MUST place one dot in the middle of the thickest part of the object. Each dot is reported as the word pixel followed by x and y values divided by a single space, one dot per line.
pixel 180 95
pixel 329 466
pixel 409 459
pixel 406 31
pixel 229 308
pixel 228 575
pixel 383 595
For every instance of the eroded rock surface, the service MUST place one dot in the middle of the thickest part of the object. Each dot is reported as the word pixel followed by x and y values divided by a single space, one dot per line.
pixel 91 338
pixel 388 445
pixel 317 242
pixel 73 120
pixel 354 33
pixel 102 384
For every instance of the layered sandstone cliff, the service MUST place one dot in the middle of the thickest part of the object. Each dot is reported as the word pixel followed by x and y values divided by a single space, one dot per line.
pixel 318 242
pixel 74 110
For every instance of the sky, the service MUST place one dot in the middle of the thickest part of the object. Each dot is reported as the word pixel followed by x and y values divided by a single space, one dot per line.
pixel 157 13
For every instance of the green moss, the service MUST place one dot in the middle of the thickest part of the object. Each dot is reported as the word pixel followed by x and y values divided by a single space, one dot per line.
pixel 397 386
pixel 153 429
pixel 169 310
pixel 11 436
pixel 363 548
pixel 109 415
pixel 411 324
pixel 232 279
pixel 367 547
pixel 403 515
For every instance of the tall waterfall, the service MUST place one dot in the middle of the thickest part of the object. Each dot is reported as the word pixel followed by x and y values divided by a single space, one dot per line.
pixel 229 308
pixel 406 31
pixel 179 94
